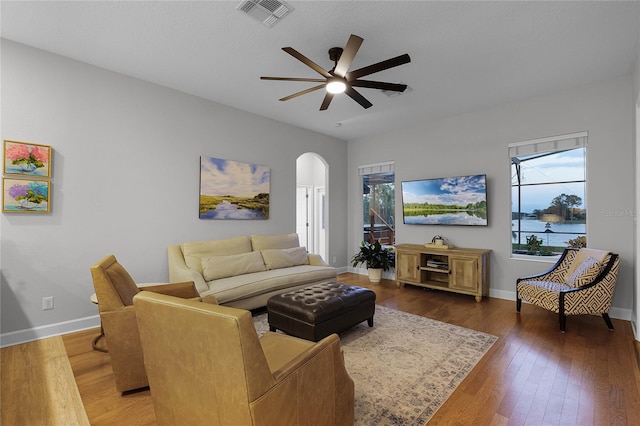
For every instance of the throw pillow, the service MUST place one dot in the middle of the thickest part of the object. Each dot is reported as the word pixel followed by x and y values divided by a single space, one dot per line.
pixel 217 267
pixel 586 272
pixel 285 258
pixel 194 251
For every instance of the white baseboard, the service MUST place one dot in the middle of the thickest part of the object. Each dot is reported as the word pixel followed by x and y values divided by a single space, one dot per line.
pixel 42 332
pixel 342 270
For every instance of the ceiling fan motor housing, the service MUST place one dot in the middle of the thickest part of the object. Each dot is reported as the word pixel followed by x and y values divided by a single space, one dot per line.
pixel 335 53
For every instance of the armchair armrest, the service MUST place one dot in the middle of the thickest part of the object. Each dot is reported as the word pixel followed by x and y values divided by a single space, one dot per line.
pixel 184 290
pixel 299 361
pixel 543 276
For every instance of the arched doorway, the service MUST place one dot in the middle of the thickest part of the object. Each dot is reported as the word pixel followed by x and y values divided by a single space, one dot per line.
pixel 312 203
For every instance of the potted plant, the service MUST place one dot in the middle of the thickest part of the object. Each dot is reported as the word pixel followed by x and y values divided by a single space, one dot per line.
pixel 376 258
pixel 533 244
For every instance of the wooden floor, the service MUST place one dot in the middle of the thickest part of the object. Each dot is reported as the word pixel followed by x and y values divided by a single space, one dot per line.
pixel 38 386
pixel 533 374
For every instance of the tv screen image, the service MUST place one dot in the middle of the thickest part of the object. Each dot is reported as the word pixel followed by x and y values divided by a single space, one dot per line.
pixel 460 200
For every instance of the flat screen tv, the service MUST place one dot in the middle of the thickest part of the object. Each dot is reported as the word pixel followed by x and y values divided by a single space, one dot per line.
pixel 460 200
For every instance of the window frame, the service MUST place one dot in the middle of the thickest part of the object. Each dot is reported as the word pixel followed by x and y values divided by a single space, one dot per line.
pixel 534 149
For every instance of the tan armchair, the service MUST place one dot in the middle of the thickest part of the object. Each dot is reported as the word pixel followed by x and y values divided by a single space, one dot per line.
pixel 207 366
pixel 581 282
pixel 115 290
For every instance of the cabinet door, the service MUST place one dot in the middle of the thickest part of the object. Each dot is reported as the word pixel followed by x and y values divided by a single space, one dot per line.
pixel 464 273
pixel 407 266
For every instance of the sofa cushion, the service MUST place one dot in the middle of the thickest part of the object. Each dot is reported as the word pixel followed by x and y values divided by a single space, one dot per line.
pixel 279 241
pixel 196 250
pixel 248 285
pixel 216 267
pixel 586 272
pixel 285 258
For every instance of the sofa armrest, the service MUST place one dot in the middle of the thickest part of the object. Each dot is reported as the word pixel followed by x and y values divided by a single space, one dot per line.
pixel 180 272
pixel 316 260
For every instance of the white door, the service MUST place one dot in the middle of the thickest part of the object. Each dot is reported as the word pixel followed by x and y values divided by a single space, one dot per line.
pixel 303 203
pixel 320 223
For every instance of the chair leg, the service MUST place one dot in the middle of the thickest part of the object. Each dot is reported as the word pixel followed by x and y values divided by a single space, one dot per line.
pixel 606 318
pixel 518 304
pixel 561 315
pixel 563 322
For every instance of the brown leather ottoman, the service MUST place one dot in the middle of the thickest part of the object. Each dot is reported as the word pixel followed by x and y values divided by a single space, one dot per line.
pixel 314 312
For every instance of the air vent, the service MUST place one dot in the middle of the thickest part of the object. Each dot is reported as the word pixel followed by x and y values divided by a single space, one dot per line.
pixel 269 12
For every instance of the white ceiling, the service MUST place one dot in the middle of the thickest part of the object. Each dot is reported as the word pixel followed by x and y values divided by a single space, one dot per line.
pixel 465 55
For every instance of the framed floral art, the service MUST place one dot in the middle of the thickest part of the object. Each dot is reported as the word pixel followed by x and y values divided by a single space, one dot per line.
pixel 25 195
pixel 27 159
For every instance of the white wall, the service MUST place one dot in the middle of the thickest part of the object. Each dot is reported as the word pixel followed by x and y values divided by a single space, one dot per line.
pixel 476 143
pixel 126 181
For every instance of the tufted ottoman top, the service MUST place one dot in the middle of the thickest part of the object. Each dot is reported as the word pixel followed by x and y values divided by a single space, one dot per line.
pixel 320 302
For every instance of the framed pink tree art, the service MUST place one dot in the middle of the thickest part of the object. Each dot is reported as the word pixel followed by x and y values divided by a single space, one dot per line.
pixel 27 159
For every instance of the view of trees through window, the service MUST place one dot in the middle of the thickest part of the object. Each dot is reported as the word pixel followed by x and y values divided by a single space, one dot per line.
pixel 378 201
pixel 549 210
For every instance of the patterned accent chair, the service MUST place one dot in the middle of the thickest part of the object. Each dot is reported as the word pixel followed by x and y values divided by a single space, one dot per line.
pixel 581 282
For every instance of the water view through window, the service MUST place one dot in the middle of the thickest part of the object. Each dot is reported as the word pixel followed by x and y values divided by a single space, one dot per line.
pixel 549 207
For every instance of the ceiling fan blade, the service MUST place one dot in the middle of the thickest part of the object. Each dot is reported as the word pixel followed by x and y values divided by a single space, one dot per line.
pixel 303 92
pixel 358 97
pixel 310 80
pixel 326 101
pixel 349 52
pixel 308 62
pixel 379 85
pixel 380 66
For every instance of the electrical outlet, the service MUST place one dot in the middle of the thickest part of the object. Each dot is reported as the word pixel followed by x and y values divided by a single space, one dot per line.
pixel 47 303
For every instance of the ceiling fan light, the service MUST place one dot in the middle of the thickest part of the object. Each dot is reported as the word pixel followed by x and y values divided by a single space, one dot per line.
pixel 336 86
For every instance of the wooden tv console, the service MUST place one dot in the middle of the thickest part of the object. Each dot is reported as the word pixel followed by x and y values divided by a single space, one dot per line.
pixel 459 270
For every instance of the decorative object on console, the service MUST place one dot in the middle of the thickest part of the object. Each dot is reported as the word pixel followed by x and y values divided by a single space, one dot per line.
pixel 25 195
pixel 27 159
pixel 439 242
pixel 460 200
pixel 376 258
pixel 233 190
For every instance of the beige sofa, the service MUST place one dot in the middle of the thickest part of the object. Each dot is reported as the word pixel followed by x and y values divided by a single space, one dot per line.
pixel 244 272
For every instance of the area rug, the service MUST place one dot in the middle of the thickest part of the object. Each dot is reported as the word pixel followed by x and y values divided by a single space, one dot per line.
pixel 406 366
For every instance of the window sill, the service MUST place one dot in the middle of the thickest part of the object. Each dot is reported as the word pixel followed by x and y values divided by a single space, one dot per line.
pixel 535 258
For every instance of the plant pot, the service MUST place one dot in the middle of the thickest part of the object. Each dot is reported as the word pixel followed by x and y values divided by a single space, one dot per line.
pixel 375 274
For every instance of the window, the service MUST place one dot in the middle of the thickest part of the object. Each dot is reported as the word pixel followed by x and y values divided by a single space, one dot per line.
pixel 378 202
pixel 548 188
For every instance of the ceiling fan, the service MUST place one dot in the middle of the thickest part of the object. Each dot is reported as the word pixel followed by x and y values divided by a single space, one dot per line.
pixel 339 79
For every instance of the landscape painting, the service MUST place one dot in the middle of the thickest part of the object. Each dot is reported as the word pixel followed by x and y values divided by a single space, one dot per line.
pixel 460 200
pixel 233 190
